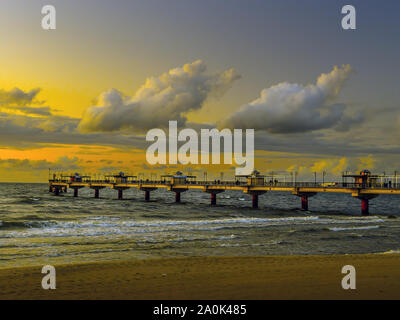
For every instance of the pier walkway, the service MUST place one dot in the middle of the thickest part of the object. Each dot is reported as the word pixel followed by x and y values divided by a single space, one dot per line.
pixel 365 187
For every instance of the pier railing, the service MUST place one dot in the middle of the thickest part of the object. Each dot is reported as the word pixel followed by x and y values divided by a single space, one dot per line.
pixel 385 185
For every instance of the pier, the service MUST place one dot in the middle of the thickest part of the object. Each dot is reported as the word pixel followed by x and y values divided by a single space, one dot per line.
pixel 364 186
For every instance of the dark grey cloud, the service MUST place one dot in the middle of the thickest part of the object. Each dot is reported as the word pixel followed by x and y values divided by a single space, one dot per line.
pixel 17 96
pixel 32 132
pixel 39 111
pixel 314 144
pixel 62 163
pixel 23 101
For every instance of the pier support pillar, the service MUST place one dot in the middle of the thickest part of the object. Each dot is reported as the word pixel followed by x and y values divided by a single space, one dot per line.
pixel 364 207
pixel 365 202
pixel 304 198
pixel 75 192
pixel 50 189
pixel 254 196
pixel 213 199
pixel 56 191
pixel 120 191
pixel 304 203
pixel 213 193
pixel 178 192
pixel 255 201
pixel 147 191
pixel 96 191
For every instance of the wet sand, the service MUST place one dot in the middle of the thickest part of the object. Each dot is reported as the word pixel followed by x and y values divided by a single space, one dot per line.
pixel 268 277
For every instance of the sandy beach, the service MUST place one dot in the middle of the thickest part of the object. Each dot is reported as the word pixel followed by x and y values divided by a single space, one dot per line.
pixel 268 277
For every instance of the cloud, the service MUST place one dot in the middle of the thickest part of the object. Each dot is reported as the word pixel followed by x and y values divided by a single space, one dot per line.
pixel 367 163
pixel 335 166
pixel 21 131
pixel 22 101
pixel 167 97
pixel 38 111
pixel 17 96
pixel 340 165
pixel 62 163
pixel 297 168
pixel 293 108
pixel 54 123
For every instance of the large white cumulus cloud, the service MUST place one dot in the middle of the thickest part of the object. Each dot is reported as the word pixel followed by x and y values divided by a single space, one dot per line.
pixel 290 108
pixel 167 97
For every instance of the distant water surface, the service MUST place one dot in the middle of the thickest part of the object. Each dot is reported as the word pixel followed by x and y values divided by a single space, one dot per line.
pixel 38 228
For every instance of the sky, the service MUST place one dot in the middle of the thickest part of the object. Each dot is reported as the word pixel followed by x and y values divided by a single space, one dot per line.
pixel 82 97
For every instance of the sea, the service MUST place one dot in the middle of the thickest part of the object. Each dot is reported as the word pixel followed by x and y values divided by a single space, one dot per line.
pixel 39 228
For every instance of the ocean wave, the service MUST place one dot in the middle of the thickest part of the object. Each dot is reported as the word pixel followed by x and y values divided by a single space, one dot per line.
pixel 147 224
pixel 226 221
pixel 227 245
pixel 97 227
pixel 353 228
pixel 25 201
pixel 241 220
pixel 232 236
pixel 25 224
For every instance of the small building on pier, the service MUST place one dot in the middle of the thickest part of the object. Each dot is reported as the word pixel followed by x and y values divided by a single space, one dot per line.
pixel 363 179
pixel 76 177
pixel 178 178
pixel 120 177
pixel 253 179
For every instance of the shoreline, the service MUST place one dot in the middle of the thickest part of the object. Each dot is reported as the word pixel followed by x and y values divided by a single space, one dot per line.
pixel 200 278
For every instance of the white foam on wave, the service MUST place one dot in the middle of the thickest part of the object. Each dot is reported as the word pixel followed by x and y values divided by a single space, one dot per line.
pixel 69 229
pixel 353 228
pixel 158 223
pixel 232 236
pixel 218 221
pixel 97 227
